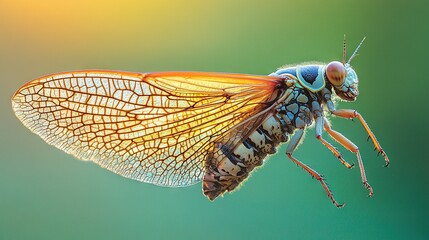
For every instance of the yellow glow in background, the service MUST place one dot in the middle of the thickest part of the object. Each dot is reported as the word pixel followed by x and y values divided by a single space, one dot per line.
pixel 46 194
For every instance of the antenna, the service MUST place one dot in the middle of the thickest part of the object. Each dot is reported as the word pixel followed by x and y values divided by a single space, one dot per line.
pixel 344 50
pixel 354 53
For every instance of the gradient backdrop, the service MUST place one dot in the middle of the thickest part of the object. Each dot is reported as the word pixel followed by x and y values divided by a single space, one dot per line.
pixel 46 194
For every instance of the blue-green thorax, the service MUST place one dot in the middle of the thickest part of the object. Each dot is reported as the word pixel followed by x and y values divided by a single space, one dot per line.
pixel 311 77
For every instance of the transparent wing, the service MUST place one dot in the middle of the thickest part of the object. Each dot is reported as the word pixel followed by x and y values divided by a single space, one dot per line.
pixel 156 127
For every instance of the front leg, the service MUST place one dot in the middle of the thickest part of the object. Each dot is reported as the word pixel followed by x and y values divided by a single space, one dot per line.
pixel 351 114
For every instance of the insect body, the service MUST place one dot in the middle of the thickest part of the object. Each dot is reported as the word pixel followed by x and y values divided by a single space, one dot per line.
pixel 178 128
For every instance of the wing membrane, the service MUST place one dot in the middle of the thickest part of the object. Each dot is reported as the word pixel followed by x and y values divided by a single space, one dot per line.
pixel 156 127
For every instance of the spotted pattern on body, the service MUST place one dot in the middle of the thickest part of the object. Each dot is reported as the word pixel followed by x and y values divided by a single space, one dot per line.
pixel 178 128
pixel 229 167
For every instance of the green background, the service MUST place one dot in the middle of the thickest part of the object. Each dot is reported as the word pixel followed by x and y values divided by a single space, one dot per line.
pixel 46 194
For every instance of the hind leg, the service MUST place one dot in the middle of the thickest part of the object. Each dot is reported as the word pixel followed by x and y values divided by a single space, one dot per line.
pixel 294 142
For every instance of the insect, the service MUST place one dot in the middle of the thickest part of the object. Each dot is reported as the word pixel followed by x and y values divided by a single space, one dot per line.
pixel 179 128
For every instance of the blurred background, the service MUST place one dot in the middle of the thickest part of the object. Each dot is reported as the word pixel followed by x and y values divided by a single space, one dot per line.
pixel 47 194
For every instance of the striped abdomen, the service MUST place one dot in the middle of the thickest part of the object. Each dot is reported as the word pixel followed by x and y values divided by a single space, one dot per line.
pixel 226 169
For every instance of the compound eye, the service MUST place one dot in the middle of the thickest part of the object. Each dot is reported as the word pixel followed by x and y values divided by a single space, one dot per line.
pixel 336 73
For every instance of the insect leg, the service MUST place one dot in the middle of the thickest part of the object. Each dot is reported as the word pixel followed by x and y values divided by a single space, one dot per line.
pixel 296 139
pixel 351 147
pixel 319 130
pixel 350 113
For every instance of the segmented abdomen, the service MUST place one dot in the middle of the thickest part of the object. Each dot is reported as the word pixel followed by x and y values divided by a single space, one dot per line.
pixel 226 169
